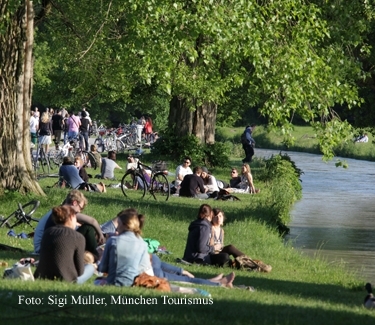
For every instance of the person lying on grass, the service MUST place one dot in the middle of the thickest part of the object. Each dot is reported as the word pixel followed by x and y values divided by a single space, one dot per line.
pixel 62 249
pixel 89 227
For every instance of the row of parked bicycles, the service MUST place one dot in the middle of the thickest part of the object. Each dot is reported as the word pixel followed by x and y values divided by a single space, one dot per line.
pixel 118 139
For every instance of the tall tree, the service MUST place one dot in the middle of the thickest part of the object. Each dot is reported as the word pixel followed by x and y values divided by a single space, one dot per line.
pixel 16 43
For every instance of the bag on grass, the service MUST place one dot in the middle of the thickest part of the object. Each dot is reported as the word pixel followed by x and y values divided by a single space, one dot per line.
pixel 19 271
pixel 152 282
pixel 247 263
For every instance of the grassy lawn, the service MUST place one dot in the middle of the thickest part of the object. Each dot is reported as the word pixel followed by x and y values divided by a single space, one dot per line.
pixel 299 290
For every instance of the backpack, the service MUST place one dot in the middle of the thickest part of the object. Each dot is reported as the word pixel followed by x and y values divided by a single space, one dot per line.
pixel 244 139
pixel 246 263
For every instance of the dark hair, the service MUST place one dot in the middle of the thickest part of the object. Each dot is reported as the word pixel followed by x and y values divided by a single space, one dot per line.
pixel 205 211
pixel 188 158
pixel 197 169
pixel 112 155
pixel 61 214
pixel 83 114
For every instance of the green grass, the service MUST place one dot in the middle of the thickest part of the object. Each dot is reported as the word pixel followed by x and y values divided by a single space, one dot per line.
pixel 299 290
pixel 305 141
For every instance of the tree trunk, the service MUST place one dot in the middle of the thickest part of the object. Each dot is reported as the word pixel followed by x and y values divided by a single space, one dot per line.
pixel 15 98
pixel 187 118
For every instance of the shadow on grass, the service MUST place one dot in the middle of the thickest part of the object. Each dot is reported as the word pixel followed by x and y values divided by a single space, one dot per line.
pixel 169 308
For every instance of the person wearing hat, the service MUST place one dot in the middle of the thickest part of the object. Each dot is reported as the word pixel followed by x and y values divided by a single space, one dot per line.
pixel 210 182
pixel 193 186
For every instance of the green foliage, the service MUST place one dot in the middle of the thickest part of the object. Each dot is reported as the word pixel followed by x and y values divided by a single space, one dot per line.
pixel 282 175
pixel 175 148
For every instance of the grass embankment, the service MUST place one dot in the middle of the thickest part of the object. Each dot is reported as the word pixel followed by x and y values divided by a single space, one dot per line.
pixel 305 141
pixel 299 290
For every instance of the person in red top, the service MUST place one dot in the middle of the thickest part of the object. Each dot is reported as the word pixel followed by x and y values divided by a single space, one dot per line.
pixel 148 129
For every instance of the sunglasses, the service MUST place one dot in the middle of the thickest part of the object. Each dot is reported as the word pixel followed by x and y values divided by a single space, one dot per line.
pixel 187 162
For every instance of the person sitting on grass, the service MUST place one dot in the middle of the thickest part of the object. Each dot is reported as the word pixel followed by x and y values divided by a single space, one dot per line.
pixel 62 249
pixel 97 157
pixel 198 247
pixel 109 165
pixel 193 186
pixel 246 185
pixel 89 227
pixel 173 273
pixel 91 187
pixel 235 180
pixel 125 256
pixel 210 182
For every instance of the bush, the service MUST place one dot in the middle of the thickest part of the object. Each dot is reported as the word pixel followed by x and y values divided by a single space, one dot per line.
pixel 174 148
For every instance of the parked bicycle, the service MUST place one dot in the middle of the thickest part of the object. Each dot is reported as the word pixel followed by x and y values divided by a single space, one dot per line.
pixel 134 184
pixel 40 161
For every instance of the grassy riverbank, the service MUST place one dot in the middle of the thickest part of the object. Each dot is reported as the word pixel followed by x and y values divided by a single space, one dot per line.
pixel 305 141
pixel 299 290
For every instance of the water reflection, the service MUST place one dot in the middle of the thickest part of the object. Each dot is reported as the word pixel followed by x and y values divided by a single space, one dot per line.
pixel 335 217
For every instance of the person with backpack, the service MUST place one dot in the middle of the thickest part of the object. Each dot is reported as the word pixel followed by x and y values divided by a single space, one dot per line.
pixel 248 143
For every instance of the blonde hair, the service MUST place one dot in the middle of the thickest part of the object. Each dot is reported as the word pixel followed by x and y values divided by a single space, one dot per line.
pixel 75 195
pixel 88 258
pixel 79 159
pixel 129 218
pixel 45 117
pixel 247 167
pixel 61 214
pixel 93 147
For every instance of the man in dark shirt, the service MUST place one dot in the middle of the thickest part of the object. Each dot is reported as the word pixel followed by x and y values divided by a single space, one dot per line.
pixel 193 186
pixel 57 127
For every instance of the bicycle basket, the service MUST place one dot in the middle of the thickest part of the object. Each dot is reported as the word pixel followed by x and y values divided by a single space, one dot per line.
pixel 159 166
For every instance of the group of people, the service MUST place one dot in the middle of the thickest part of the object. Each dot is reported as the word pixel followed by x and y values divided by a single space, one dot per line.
pixel 74 174
pixel 57 123
pixel 68 243
pixel 201 184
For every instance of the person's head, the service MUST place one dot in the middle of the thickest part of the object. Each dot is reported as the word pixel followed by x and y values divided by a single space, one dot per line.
pixel 71 113
pixel 78 162
pixel 128 221
pixel 45 117
pixel 234 173
pixel 187 162
pixel 32 113
pixel 245 169
pixel 65 215
pixel 197 170
pixel 204 173
pixel 76 199
pixel 218 218
pixel 93 148
pixel 83 114
pixel 205 212
pixel 67 161
pixel 131 159
pixel 112 155
pixel 88 258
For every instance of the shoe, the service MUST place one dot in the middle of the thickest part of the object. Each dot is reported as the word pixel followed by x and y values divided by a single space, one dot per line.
pixel 11 233
pixel 22 235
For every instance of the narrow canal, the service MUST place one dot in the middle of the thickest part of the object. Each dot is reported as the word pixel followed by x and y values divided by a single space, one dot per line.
pixel 336 217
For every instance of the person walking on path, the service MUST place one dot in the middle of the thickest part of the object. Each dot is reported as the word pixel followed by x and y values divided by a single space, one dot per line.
pixel 248 143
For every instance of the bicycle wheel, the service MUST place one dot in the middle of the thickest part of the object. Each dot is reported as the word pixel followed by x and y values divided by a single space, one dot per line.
pixel 120 146
pixel 133 185
pixel 89 159
pixel 160 187
pixel 22 214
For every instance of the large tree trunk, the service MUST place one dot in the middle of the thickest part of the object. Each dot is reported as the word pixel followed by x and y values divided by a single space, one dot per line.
pixel 15 98
pixel 187 118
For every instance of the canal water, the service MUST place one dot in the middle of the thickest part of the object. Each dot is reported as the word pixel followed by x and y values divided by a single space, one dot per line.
pixel 335 218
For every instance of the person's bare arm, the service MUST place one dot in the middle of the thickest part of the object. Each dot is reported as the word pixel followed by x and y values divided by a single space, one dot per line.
pixel 85 219
pixel 251 184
